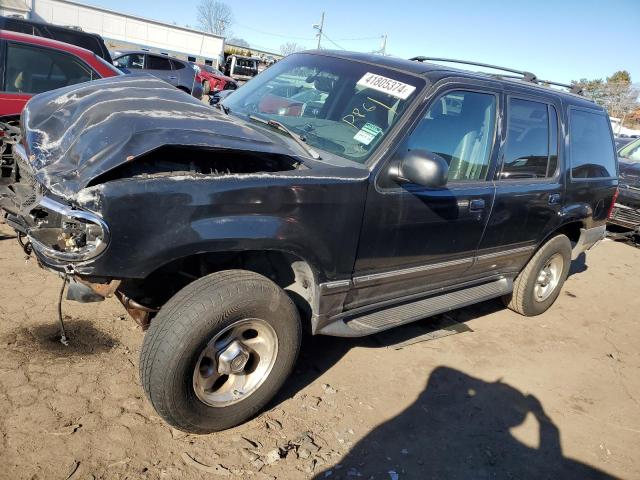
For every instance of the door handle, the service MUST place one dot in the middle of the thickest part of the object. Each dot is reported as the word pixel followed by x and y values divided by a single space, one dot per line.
pixel 554 199
pixel 172 77
pixel 476 204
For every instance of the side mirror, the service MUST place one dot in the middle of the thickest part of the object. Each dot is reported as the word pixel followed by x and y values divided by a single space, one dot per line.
pixel 422 168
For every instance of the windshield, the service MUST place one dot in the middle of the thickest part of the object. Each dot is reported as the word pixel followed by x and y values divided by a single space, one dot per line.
pixel 631 152
pixel 340 106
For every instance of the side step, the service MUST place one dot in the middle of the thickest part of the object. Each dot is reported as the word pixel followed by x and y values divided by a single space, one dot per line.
pixel 383 319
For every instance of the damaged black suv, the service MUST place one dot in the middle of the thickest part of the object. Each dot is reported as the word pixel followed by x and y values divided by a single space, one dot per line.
pixel 349 193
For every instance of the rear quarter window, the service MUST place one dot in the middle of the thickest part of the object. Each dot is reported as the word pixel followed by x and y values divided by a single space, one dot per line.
pixel 591 145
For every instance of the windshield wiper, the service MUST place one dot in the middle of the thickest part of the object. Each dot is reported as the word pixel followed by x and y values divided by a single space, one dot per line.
pixel 298 139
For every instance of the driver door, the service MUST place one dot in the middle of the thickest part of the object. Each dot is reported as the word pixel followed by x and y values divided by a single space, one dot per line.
pixel 415 239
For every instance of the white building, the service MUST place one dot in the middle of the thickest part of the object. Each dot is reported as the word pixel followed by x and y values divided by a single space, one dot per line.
pixel 121 30
pixel 14 7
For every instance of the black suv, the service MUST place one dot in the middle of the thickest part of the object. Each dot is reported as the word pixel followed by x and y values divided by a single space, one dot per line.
pixel 91 41
pixel 346 192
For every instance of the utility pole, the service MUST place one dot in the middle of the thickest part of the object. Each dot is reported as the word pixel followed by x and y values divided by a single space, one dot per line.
pixel 383 48
pixel 319 28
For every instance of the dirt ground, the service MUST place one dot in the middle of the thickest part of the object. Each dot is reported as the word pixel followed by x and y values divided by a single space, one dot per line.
pixel 557 396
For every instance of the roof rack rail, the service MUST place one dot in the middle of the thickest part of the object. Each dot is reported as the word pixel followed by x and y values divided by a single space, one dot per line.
pixel 575 88
pixel 521 74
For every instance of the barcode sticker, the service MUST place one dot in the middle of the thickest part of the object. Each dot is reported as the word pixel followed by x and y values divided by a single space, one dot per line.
pixel 386 85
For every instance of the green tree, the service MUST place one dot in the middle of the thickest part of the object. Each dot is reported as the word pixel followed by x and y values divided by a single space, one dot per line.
pixel 621 76
pixel 617 94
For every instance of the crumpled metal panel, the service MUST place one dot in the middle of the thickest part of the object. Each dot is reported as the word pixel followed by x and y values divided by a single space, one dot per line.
pixel 76 133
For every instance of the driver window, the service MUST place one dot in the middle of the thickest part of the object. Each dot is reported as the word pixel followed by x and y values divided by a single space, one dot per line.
pixel 459 127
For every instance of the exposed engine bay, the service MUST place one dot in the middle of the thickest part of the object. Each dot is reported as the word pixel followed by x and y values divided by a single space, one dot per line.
pixel 172 160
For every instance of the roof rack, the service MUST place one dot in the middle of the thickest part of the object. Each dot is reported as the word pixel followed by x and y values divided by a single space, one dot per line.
pixel 520 74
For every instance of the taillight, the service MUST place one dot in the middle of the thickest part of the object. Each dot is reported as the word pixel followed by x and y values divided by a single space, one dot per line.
pixel 613 202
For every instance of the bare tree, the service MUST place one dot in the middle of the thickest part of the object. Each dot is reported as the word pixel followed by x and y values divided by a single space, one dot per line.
pixel 290 47
pixel 215 17
pixel 617 94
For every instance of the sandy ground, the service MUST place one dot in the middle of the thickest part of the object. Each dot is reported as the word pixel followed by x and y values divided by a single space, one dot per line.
pixel 557 396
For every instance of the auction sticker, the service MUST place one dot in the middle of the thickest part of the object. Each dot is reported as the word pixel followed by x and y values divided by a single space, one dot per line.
pixel 367 133
pixel 386 85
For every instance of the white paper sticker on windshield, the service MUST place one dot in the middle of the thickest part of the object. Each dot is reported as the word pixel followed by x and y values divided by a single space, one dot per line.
pixel 386 85
pixel 367 133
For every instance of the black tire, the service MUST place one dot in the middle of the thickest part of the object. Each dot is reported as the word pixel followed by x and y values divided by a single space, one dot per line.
pixel 206 87
pixel 523 299
pixel 184 326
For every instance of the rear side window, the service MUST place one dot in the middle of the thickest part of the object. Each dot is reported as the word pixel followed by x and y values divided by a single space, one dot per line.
pixel 35 70
pixel 531 149
pixel 78 39
pixel 177 65
pixel 591 145
pixel 158 63
pixel 133 60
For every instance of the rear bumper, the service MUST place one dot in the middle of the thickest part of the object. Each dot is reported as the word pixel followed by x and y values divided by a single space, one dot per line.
pixel 589 237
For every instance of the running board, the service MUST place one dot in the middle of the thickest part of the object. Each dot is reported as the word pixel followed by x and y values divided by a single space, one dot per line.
pixel 383 319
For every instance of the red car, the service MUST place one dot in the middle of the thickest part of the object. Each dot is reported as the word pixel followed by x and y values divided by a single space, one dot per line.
pixel 214 80
pixel 31 65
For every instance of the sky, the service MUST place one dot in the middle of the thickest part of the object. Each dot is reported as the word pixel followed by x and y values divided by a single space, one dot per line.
pixel 557 40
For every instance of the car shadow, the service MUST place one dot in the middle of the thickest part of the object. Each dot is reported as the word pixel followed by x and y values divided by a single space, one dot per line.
pixel 578 265
pixel 460 428
pixel 319 353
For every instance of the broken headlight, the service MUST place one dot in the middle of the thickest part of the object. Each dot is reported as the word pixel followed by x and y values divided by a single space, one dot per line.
pixel 66 234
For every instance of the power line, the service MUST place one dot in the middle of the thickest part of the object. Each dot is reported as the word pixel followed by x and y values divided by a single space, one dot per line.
pixel 325 36
pixel 290 37
pixel 359 39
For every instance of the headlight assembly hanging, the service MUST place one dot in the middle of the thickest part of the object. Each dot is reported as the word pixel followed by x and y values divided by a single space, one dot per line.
pixel 66 234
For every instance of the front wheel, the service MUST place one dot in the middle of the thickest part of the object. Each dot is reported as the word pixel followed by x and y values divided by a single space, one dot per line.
pixel 219 350
pixel 539 284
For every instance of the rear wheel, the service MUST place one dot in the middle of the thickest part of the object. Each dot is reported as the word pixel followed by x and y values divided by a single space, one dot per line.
pixel 219 350
pixel 539 284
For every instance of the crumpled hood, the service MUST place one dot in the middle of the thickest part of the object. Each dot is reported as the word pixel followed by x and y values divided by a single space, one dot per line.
pixel 76 133
pixel 629 172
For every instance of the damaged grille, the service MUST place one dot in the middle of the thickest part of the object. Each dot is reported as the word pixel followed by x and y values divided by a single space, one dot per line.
pixel 625 217
pixel 26 189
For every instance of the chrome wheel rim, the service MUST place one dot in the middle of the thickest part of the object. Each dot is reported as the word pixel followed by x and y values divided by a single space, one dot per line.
pixel 235 362
pixel 548 277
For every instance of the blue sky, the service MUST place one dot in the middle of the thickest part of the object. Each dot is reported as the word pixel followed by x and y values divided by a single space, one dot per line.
pixel 557 40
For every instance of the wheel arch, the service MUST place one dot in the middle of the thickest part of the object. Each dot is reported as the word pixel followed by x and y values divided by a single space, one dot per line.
pixel 296 275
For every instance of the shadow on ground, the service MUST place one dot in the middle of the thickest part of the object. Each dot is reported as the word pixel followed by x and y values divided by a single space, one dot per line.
pixel 318 354
pixel 460 428
pixel 84 339
pixel 579 265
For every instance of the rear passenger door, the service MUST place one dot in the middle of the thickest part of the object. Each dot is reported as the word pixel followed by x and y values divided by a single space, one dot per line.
pixel 160 67
pixel 529 189
pixel 181 77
